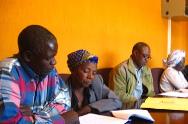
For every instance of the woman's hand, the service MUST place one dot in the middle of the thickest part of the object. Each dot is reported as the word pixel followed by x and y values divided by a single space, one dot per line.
pixel 71 117
pixel 84 110
pixel 183 90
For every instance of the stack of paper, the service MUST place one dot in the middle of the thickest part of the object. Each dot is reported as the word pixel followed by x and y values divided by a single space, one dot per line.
pixel 174 94
pixel 120 117
pixel 166 103
pixel 100 119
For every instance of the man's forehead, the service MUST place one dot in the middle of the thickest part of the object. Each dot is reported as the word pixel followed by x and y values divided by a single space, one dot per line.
pixel 51 44
pixel 49 49
pixel 145 49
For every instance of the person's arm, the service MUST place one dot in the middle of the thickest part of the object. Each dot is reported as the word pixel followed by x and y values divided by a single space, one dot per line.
pixel 85 109
pixel 10 100
pixel 71 117
pixel 56 109
pixel 58 103
pixel 176 79
pixel 107 100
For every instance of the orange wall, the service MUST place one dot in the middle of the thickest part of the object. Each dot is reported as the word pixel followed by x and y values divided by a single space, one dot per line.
pixel 180 36
pixel 107 28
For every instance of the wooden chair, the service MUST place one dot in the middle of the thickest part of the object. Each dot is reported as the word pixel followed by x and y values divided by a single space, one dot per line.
pixel 64 76
pixel 105 74
pixel 156 73
pixel 185 72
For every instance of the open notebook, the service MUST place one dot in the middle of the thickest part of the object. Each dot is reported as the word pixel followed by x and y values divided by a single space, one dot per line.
pixel 120 117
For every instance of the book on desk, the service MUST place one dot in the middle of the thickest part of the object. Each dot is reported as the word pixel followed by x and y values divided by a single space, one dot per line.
pixel 120 117
pixel 166 103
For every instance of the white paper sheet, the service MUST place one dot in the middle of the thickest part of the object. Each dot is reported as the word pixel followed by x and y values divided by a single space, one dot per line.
pixel 100 119
pixel 175 94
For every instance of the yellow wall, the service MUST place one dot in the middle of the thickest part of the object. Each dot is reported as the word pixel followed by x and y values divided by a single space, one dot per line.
pixel 107 28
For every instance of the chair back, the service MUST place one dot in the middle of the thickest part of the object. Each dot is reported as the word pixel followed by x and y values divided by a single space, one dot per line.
pixel 64 76
pixel 104 72
pixel 156 74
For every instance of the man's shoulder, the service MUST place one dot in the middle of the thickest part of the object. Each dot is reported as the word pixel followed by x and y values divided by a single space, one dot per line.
pixel 170 70
pixel 98 80
pixel 123 64
pixel 53 72
pixel 8 63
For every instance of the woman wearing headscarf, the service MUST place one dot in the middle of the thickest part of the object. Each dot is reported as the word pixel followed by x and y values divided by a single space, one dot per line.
pixel 87 90
pixel 172 78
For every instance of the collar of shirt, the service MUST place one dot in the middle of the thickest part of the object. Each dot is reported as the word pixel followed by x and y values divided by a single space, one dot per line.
pixel 30 72
pixel 138 73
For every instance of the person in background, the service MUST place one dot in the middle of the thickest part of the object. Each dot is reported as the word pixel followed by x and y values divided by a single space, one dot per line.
pixel 132 80
pixel 87 90
pixel 172 78
pixel 29 83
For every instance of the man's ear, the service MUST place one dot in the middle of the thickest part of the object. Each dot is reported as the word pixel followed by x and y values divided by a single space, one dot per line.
pixel 27 56
pixel 135 52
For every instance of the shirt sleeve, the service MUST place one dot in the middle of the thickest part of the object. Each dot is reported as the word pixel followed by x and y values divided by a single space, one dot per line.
pixel 176 78
pixel 118 78
pixel 107 100
pixel 56 106
pixel 10 100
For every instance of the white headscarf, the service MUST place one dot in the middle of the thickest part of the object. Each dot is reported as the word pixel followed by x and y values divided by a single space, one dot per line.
pixel 174 58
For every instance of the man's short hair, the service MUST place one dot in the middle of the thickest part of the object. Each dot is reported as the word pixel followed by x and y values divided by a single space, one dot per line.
pixel 138 46
pixel 32 37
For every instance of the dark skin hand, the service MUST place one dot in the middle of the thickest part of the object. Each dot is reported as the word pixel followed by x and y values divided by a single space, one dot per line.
pixel 26 111
pixel 71 117
pixel 84 110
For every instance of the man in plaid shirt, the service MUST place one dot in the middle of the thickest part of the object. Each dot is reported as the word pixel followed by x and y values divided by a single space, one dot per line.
pixel 30 89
